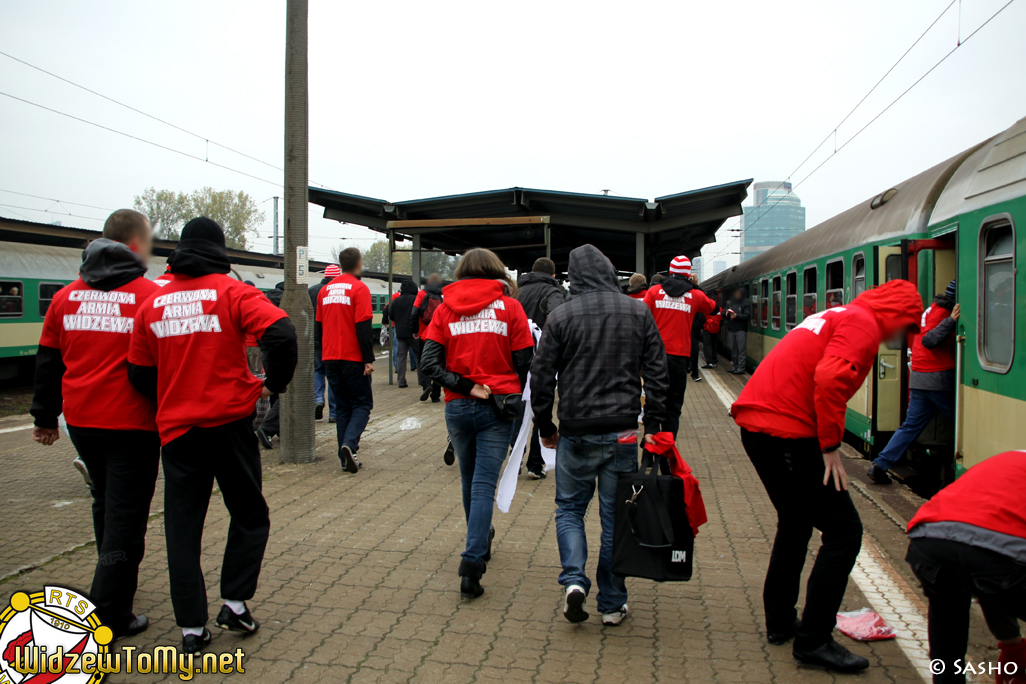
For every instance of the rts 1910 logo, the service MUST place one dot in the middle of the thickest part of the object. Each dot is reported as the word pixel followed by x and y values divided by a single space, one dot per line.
pixel 53 635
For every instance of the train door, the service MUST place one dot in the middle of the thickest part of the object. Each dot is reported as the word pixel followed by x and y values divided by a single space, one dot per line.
pixel 889 400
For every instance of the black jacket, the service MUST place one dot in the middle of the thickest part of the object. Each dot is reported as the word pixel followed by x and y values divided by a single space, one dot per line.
pixel 600 343
pixel 539 294
pixel 744 312
pixel 106 266
pixel 315 291
pixel 400 311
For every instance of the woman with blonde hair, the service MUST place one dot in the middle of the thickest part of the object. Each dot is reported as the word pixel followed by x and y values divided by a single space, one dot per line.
pixel 479 348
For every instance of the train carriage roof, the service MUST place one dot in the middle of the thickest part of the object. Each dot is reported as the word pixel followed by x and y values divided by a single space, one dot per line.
pixel 905 209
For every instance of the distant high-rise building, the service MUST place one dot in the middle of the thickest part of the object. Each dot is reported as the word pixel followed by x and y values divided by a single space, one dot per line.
pixel 777 215
pixel 718 268
pixel 696 267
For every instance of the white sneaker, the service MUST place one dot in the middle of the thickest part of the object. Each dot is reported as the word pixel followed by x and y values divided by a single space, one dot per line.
pixel 613 619
pixel 573 604
pixel 81 467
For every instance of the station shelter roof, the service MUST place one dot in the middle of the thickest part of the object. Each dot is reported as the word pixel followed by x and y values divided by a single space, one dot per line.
pixel 522 224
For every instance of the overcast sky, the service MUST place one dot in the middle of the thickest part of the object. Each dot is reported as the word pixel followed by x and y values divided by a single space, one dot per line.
pixel 418 99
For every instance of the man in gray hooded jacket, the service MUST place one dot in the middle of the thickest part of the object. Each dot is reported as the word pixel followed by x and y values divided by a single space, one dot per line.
pixel 600 344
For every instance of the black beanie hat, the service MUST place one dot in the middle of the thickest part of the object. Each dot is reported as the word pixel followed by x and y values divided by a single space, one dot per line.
pixel 204 228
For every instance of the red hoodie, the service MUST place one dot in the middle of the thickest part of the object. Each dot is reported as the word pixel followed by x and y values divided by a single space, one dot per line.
pixel 802 387
pixel 940 358
pixel 480 328
pixel 989 495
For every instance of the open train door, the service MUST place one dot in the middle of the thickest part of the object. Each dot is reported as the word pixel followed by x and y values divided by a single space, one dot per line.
pixel 889 399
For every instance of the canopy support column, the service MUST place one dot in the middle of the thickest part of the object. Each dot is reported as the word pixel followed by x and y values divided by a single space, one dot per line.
pixel 639 253
pixel 415 261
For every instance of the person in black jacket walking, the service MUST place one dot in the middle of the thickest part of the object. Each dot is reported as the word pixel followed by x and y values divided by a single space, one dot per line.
pixel 400 312
pixel 539 294
pixel 736 314
pixel 600 344
pixel 424 307
pixel 320 377
pixel 271 424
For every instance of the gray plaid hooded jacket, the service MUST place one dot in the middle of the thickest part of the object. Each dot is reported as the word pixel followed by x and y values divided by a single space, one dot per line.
pixel 600 343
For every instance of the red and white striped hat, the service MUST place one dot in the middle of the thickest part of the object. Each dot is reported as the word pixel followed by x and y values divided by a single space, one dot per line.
pixel 332 271
pixel 681 265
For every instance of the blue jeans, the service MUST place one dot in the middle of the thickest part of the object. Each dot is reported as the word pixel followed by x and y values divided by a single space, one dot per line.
pixel 320 380
pixel 352 389
pixel 923 405
pixel 481 441
pixel 395 358
pixel 579 462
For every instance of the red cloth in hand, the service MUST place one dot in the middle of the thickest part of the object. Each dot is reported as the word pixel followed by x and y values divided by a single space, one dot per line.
pixel 665 446
pixel 1012 654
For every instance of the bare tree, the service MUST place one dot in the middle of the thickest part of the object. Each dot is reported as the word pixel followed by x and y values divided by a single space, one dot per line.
pixel 297 409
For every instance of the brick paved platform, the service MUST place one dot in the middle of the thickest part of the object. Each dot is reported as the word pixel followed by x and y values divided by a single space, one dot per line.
pixel 359 582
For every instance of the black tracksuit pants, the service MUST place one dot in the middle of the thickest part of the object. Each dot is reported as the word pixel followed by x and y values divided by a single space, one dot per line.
pixel 709 343
pixel 229 454
pixel 953 573
pixel 123 467
pixel 696 342
pixel 678 367
pixel 792 471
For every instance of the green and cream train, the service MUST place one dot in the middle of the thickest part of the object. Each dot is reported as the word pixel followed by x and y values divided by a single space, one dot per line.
pixel 964 218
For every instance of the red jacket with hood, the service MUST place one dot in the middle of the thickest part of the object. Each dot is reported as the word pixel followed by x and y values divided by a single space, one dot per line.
pixel 802 387
pixel 480 327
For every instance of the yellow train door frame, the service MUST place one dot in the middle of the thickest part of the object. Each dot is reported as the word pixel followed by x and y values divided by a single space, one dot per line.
pixel 888 396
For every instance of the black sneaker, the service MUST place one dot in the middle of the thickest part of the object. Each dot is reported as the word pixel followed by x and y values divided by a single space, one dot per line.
pixel 318 411
pixel 332 419
pixel 878 475
pixel 435 400
pixel 832 656
pixel 349 462
pixel 573 604
pixel 697 378
pixel 426 393
pixel 194 643
pixel 536 475
pixel 138 624
pixel 450 454
pixel 245 623
pixel 708 365
pixel 778 638
pixel 265 439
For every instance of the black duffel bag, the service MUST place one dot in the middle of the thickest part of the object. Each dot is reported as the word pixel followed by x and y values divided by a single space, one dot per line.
pixel 652 537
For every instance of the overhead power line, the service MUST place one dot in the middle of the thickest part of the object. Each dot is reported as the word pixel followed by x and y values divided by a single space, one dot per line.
pixel 51 199
pixel 47 211
pixel 143 140
pixel 150 116
pixel 833 132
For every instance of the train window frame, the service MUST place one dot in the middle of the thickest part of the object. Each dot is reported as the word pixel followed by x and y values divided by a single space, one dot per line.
pixel 887 267
pixel 754 319
pixel 988 225
pixel 4 297
pixel 40 299
pixel 856 258
pixel 776 315
pixel 791 300
pixel 826 282
pixel 815 292
pixel 764 303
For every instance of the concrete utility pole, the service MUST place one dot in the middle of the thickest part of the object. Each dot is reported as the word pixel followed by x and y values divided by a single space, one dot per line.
pixel 297 408
pixel 276 243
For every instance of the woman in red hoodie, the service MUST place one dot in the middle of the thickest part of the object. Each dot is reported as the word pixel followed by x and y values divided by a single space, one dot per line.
pixel 791 415
pixel 479 348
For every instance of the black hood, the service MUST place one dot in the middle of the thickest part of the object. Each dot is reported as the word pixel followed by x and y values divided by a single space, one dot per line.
pixel 201 250
pixel 591 271
pixel 107 265
pixel 532 277
pixel 676 287
pixel 434 289
pixel 408 287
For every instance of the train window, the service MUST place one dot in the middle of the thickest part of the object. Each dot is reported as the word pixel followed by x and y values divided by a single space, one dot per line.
pixel 791 301
pixel 996 337
pixel 858 275
pixel 810 287
pixel 46 293
pixel 764 302
pixel 12 299
pixel 776 302
pixel 892 267
pixel 834 284
pixel 755 304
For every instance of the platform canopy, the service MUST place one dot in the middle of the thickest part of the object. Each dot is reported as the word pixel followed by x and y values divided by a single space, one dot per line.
pixel 522 224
